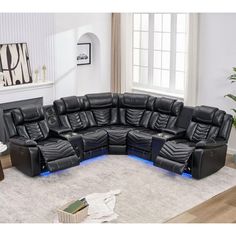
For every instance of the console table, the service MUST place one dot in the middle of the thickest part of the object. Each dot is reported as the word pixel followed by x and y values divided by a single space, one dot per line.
pixel 1 172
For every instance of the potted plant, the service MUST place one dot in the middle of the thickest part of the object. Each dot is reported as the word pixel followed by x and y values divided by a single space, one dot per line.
pixel 232 78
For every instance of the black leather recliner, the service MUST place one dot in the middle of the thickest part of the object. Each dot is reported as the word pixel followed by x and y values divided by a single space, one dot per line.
pixel 81 119
pixel 128 123
pixel 207 134
pixel 32 147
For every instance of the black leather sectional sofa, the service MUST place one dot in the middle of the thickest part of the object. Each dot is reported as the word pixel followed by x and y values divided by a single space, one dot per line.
pixel 162 130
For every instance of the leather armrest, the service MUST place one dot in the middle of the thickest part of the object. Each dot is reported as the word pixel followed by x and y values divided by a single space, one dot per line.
pixel 176 131
pixel 206 144
pixel 60 130
pixel 21 141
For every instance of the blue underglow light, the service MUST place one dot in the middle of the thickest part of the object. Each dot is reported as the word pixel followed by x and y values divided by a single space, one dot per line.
pixel 94 159
pixel 141 160
pixel 46 173
pixel 187 175
pixel 102 157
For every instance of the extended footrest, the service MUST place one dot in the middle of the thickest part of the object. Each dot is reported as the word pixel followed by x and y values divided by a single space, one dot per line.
pixel 174 157
pixel 63 163
pixel 58 154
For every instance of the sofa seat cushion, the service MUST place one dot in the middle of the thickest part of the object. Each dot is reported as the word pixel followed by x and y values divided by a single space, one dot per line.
pixel 141 139
pixel 93 138
pixel 117 134
pixel 185 141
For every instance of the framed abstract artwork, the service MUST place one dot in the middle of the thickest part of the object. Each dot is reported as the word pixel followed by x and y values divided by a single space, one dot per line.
pixel 14 64
pixel 84 54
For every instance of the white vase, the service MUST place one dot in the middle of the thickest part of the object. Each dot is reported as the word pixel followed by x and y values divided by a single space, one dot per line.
pixel 3 147
pixel 1 79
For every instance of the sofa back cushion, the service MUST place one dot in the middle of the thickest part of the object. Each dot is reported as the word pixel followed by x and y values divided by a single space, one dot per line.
pixel 132 108
pixel 104 108
pixel 205 124
pixel 166 112
pixel 30 123
pixel 73 113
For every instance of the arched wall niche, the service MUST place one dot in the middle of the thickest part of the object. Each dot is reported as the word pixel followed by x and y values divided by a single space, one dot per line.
pixel 89 76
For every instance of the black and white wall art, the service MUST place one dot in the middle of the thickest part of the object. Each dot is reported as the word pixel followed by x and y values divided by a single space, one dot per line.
pixel 15 64
pixel 84 53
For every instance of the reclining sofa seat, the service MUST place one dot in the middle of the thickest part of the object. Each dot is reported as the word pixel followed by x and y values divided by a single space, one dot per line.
pixel 32 147
pixel 104 107
pixel 208 133
pixel 160 115
pixel 134 113
pixel 82 119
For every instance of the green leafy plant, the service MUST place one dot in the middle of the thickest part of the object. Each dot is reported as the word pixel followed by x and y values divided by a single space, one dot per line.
pixel 232 78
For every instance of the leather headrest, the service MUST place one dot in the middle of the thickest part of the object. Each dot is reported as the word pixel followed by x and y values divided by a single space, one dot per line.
pixel 100 100
pixel 17 116
pixel 59 107
pixel 218 118
pixel 27 114
pixel 151 102
pixel 135 100
pixel 71 104
pixel 164 105
pixel 204 114
pixel 32 113
pixel 177 108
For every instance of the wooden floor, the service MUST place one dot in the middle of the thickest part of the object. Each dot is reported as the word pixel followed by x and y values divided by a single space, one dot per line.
pixel 6 161
pixel 219 209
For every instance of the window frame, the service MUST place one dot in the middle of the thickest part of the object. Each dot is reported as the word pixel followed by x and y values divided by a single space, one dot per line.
pixel 172 69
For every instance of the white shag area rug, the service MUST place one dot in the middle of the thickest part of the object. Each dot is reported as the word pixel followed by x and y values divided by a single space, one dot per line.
pixel 148 194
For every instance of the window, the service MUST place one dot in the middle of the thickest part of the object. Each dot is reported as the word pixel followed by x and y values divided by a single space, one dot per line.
pixel 159 51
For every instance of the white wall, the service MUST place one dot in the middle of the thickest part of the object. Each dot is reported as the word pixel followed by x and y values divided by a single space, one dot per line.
pixel 217 56
pixel 71 79
pixel 37 31
pixel 52 40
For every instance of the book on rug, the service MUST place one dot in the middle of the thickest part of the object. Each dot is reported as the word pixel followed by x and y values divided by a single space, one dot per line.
pixel 76 206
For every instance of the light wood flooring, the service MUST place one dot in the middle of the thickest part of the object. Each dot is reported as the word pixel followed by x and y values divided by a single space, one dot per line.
pixel 219 209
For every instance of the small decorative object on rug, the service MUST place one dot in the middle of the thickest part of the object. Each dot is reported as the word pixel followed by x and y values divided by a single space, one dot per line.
pixel 101 207
pixel 15 64
pixel 84 54
pixel 44 73
pixel 73 212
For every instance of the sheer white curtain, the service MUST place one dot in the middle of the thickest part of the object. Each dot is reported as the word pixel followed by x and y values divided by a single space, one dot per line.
pixel 115 53
pixel 191 77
